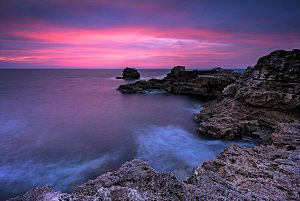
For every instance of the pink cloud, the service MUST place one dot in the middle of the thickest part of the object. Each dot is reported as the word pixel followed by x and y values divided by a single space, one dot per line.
pixel 135 46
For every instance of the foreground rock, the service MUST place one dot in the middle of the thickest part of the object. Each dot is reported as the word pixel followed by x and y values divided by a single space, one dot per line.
pixel 270 171
pixel 130 74
pixel 180 81
pixel 136 180
pixel 258 173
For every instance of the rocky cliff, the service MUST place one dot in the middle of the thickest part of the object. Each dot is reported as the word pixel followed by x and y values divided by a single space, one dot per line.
pixel 263 105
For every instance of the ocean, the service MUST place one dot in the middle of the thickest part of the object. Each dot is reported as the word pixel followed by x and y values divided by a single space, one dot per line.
pixel 63 127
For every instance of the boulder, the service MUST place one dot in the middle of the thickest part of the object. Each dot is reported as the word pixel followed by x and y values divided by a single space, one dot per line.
pixel 130 74
pixel 176 71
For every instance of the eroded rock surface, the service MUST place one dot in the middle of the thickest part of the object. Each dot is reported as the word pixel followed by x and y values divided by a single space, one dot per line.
pixel 270 171
pixel 180 81
pixel 136 180
pixel 264 105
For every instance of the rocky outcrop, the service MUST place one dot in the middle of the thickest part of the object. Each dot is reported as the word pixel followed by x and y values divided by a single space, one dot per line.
pixel 226 118
pixel 130 74
pixel 264 105
pixel 257 173
pixel 136 180
pixel 180 81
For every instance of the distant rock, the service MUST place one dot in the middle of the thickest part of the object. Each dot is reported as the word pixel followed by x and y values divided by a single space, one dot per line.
pixel 130 74
pixel 196 82
pixel 176 71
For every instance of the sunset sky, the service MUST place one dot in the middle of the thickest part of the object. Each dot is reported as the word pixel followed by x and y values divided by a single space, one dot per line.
pixel 144 34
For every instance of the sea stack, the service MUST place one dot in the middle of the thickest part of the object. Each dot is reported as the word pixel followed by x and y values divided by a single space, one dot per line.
pixel 130 74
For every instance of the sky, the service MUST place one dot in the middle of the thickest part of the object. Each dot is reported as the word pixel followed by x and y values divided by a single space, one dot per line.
pixel 144 34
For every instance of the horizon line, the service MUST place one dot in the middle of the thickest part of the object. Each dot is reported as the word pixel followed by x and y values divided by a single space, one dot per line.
pixel 141 68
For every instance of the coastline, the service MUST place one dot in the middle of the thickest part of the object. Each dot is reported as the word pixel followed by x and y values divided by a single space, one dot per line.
pixel 261 105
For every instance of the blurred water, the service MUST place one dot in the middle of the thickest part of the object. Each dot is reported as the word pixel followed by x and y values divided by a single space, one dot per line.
pixel 62 127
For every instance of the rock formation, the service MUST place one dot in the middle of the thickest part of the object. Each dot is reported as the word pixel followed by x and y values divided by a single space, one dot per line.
pixel 137 181
pixel 130 74
pixel 179 81
pixel 263 105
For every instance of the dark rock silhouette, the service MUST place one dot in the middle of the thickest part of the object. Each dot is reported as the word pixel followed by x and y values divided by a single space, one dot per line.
pixel 130 74
pixel 179 81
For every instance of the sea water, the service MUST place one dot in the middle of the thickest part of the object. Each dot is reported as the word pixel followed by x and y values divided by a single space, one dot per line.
pixel 63 127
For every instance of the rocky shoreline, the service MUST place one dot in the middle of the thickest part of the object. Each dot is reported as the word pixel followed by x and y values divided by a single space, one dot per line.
pixel 179 81
pixel 261 105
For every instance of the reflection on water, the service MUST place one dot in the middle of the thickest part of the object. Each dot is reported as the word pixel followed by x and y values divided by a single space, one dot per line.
pixel 62 127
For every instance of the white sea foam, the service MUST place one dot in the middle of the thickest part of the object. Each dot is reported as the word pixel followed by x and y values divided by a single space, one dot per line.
pixel 171 148
pixel 153 92
pixel 194 109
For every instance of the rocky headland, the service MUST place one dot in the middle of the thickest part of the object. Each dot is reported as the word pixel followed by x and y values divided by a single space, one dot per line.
pixel 180 81
pixel 130 74
pixel 260 105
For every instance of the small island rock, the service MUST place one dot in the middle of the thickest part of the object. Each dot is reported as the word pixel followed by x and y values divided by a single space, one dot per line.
pixel 130 74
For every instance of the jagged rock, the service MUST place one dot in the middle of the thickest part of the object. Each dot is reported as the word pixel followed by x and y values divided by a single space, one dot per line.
pixel 130 73
pixel 263 106
pixel 137 181
pixel 41 193
pixel 227 118
pixel 260 105
pixel 267 170
pixel 280 65
pixel 180 81
pixel 274 82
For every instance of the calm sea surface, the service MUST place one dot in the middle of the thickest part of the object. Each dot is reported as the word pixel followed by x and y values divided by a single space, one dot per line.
pixel 63 127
